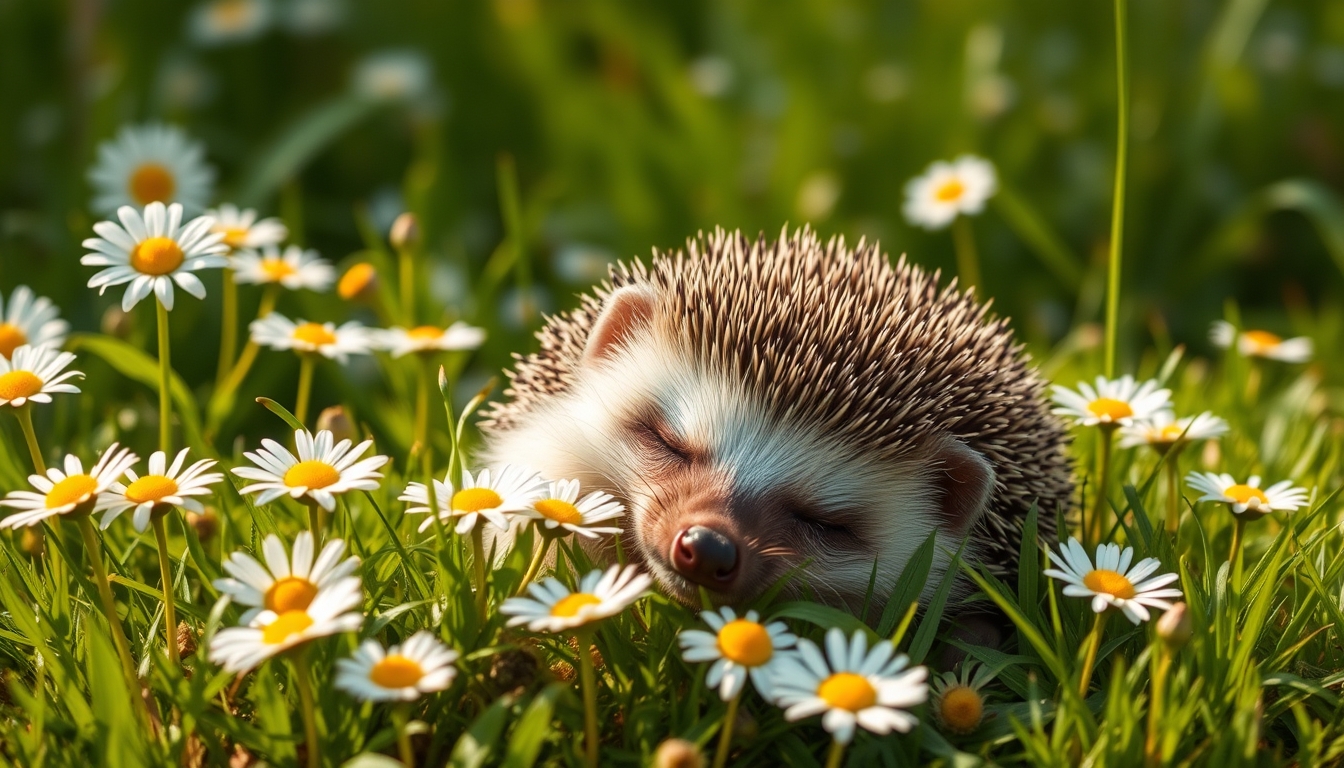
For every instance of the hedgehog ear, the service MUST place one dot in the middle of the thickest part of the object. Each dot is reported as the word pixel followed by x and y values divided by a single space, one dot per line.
pixel 626 312
pixel 966 479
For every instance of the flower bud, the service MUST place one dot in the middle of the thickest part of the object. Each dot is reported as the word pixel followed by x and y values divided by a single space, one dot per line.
pixel 206 523
pixel 30 541
pixel 359 283
pixel 405 233
pixel 337 421
pixel 678 753
pixel 1174 628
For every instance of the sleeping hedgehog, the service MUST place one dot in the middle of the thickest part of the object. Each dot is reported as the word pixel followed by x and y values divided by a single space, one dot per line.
pixel 764 405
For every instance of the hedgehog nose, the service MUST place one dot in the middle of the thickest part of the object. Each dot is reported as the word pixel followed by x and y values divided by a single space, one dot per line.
pixel 705 556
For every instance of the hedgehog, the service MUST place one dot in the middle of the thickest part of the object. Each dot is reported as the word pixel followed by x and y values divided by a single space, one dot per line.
pixel 789 407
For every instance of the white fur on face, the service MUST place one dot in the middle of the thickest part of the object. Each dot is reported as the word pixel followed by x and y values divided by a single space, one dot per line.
pixel 582 434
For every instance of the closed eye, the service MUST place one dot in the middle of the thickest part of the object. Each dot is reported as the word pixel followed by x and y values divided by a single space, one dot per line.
pixel 657 437
pixel 828 524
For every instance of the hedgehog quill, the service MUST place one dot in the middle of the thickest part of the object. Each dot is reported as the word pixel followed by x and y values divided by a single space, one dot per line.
pixel 761 404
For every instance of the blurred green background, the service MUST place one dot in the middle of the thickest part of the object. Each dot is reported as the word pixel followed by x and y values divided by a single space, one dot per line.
pixel 633 125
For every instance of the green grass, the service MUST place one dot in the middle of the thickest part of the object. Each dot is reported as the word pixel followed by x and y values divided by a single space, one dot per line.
pixel 560 128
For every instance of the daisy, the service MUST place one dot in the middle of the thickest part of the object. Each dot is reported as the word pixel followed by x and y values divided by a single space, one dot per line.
pixel 34 374
pixel 394 75
pixel 1114 402
pixel 1247 499
pixel 241 229
pixel 151 164
pixel 739 647
pixel 63 492
pixel 1163 430
pixel 850 686
pixel 163 485
pixel 31 320
pixel 279 332
pixel 295 268
pixel 319 472
pixel 560 508
pixel 285 583
pixel 554 608
pixel 153 251
pixel 403 672
pixel 958 704
pixel 492 496
pixel 431 338
pixel 1112 583
pixel 947 190
pixel 226 21
pixel 331 611
pixel 1261 343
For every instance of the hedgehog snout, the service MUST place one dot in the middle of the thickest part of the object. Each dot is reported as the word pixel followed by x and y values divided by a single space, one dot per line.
pixel 705 556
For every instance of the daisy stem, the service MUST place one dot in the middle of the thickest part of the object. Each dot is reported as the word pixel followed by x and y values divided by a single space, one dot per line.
pixel 1096 527
pixel 1234 555
pixel 968 261
pixel 726 732
pixel 400 715
pixel 478 558
pixel 1090 660
pixel 537 559
pixel 1161 665
pixel 837 752
pixel 228 328
pixel 1173 496
pixel 314 520
pixel 406 283
pixel 421 435
pixel 588 682
pixel 1118 202
pixel 25 416
pixel 166 571
pixel 239 371
pixel 304 672
pixel 307 363
pixel 110 613
pixel 165 365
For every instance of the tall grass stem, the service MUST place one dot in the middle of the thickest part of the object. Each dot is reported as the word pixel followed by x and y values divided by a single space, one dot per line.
pixel 538 558
pixel 166 571
pixel 1095 526
pixel 110 613
pixel 968 259
pixel 478 565
pixel 1090 659
pixel 1118 201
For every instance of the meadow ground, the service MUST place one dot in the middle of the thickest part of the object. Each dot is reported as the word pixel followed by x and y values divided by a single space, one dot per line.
pixel 432 178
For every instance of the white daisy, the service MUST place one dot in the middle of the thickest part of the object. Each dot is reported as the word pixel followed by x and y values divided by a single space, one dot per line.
pixel 850 686
pixel 1114 402
pixel 1163 430
pixel 947 190
pixel 337 343
pixel 285 583
pixel 739 647
pixel 554 608
pixel 71 490
pixel 1112 583
pixel 1261 343
pixel 1247 499
pixel 151 164
pixel 560 508
pixel 242 230
pixel 319 472
pixel 314 17
pixel 152 252
pixel 226 21
pixel 489 495
pixel 332 610
pixel 958 704
pixel 31 320
pixel 394 75
pixel 403 672
pixel 34 374
pixel 431 338
pixel 163 485
pixel 295 268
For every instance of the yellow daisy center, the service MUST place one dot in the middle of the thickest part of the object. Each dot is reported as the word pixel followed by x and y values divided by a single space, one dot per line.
pixel 151 488
pixel 230 15
pixel 569 605
pixel 152 183
pixel 157 256
pixel 311 474
pixel 277 269
pixel 285 626
pixel 746 643
pixel 425 333
pixel 470 500
pixel 1244 494
pixel 396 671
pixel 356 280
pixel 960 709
pixel 1170 433
pixel 846 690
pixel 234 237
pixel 1109 582
pixel 560 511
pixel 72 490
pixel 1261 341
pixel 1108 409
pixel 950 191
pixel 315 334
pixel 290 594
pixel 11 338
pixel 17 384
